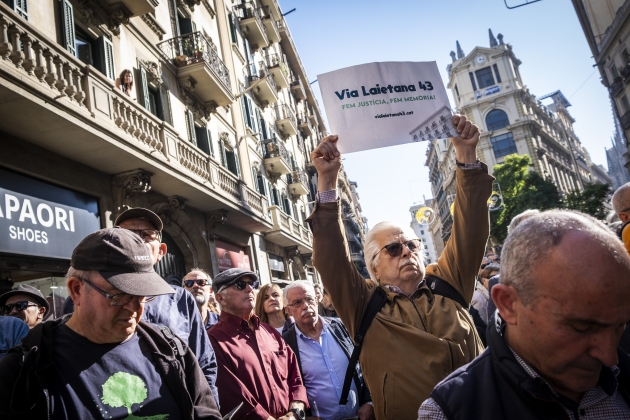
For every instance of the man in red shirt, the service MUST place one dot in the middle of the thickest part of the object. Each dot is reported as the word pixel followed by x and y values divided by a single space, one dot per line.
pixel 256 367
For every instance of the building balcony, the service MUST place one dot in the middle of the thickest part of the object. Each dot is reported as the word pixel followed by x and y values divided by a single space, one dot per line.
pixel 285 120
pixel 252 26
pixel 298 182
pixel 68 108
pixel 313 117
pixel 288 232
pixel 274 8
pixel 625 121
pixel 135 7
pixel 271 26
pixel 262 83
pixel 304 124
pixel 357 257
pixel 298 88
pixel 282 26
pixel 616 87
pixel 279 69
pixel 276 158
pixel 199 68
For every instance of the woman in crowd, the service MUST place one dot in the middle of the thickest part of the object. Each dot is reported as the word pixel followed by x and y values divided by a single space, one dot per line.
pixel 270 308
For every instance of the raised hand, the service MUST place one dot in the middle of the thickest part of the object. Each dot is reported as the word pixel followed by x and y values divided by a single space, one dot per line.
pixel 327 161
pixel 466 143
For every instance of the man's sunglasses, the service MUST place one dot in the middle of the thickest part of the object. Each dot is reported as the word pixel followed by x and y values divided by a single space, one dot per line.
pixel 191 283
pixel 242 284
pixel 395 248
pixel 147 235
pixel 21 306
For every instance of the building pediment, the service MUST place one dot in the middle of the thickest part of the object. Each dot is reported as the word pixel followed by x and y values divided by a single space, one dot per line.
pixel 471 57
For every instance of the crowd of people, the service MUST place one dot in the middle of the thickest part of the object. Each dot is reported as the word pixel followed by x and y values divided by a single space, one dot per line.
pixel 533 329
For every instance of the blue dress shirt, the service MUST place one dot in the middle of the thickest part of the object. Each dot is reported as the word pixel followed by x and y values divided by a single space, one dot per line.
pixel 324 366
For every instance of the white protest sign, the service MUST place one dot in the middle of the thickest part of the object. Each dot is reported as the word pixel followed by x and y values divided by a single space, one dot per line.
pixel 384 104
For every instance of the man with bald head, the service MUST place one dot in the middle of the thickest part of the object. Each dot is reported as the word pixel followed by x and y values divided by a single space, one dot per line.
pixel 553 349
pixel 423 331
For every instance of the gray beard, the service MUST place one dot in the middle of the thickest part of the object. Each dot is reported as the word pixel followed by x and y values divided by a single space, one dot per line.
pixel 202 299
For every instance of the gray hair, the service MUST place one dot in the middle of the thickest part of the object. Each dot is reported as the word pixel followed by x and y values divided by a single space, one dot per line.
pixel 621 198
pixel 534 240
pixel 80 274
pixel 200 271
pixel 303 284
pixel 372 250
pixel 520 218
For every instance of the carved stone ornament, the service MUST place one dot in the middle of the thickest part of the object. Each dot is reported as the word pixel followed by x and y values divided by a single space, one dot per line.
pixel 129 183
pixel 202 111
pixel 99 14
pixel 176 202
pixel 153 24
pixel 215 218
pixel 154 71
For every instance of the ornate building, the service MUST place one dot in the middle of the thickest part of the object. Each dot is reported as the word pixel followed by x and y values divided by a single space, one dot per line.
pixel 355 224
pixel 615 157
pixel 214 134
pixel 487 87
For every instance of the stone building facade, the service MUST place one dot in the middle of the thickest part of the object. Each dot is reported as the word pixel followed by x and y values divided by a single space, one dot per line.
pixel 214 135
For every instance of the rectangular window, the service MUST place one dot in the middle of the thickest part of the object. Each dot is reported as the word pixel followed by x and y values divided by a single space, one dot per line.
pixel 496 73
pixel 153 97
pixel 472 80
pixel 232 28
pixel 68 26
pixel 626 56
pixel 503 145
pixel 484 77
pixel 204 141
pixel 613 71
pixel 19 7
pixel 457 91
pixel 625 104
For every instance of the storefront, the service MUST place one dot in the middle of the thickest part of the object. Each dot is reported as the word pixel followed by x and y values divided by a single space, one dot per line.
pixel 231 256
pixel 40 225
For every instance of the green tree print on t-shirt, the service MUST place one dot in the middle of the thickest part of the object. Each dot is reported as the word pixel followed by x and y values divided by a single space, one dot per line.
pixel 124 390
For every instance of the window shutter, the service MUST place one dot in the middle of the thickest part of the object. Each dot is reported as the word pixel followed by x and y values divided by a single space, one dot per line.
pixel 203 141
pixel 263 128
pixel 245 112
pixel 190 125
pixel 252 118
pixel 232 28
pixel 222 151
pixel 165 99
pixel 106 57
pixel 19 7
pixel 68 26
pixel 143 88
pixel 210 143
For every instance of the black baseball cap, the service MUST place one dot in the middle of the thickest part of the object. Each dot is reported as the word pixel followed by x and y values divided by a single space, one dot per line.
pixel 122 258
pixel 230 276
pixel 24 289
pixel 140 212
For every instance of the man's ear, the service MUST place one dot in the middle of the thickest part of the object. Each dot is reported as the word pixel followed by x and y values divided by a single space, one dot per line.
pixel 506 299
pixel 74 288
pixel 41 312
pixel 162 251
pixel 623 216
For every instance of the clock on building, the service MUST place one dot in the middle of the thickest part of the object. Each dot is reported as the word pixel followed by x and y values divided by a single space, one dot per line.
pixel 480 59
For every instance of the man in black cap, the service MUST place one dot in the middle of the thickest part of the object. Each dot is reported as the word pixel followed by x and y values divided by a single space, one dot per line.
pixel 178 310
pixel 256 367
pixel 26 303
pixel 103 361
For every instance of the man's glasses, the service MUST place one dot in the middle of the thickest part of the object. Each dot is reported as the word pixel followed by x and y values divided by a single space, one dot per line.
pixel 191 283
pixel 119 299
pixel 310 301
pixel 21 306
pixel 147 235
pixel 395 248
pixel 242 284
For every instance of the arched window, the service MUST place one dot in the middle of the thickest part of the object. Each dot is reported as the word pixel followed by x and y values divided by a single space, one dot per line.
pixel 496 119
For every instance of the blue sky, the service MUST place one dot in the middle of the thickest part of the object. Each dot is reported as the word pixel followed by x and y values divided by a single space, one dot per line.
pixel 546 37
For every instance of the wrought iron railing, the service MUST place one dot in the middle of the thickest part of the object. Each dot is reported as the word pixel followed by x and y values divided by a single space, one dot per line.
pixel 248 11
pixel 298 176
pixel 275 148
pixel 254 72
pixel 276 60
pixel 284 112
pixel 194 48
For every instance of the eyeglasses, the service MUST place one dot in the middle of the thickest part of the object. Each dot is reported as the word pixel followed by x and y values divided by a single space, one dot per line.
pixel 200 282
pixel 310 300
pixel 147 235
pixel 21 306
pixel 395 248
pixel 242 284
pixel 120 299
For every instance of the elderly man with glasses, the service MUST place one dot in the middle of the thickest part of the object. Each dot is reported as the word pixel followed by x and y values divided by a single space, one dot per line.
pixel 178 310
pixel 102 361
pixel 256 367
pixel 198 283
pixel 422 331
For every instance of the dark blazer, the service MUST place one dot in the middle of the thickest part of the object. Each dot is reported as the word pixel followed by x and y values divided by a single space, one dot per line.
pixel 341 335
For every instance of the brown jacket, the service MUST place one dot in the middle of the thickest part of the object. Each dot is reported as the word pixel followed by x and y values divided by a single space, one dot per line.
pixel 414 343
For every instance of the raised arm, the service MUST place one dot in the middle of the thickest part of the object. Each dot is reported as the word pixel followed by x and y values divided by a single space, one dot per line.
pixel 347 288
pixel 461 258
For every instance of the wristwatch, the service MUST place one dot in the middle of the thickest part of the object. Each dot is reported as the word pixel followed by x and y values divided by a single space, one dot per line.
pixel 299 413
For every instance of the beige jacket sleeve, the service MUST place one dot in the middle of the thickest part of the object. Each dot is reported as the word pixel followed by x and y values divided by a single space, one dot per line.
pixel 462 255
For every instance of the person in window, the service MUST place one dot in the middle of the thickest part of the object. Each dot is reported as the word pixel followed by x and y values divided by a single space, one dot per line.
pixel 125 82
pixel 270 308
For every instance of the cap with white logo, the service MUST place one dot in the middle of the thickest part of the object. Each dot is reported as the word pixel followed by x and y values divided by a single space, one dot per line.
pixel 122 258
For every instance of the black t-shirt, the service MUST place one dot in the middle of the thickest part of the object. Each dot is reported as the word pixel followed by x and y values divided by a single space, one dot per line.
pixel 107 381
